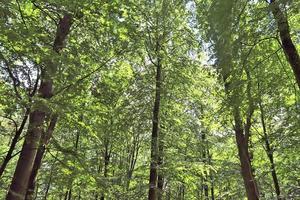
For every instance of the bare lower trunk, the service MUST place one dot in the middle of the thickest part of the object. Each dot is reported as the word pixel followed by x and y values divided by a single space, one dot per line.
pixel 286 40
pixel 246 171
pixel 204 159
pixel 160 176
pixel 70 194
pixel 273 169
pixel 154 137
pixel 106 163
pixel 32 179
pixel 17 190
pixel 211 176
pixel 38 159
pixel 212 189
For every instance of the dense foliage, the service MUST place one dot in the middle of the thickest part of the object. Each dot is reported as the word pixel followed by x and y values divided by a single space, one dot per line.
pixel 160 99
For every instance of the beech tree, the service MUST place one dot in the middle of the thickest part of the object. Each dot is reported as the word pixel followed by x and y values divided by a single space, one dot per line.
pixel 157 100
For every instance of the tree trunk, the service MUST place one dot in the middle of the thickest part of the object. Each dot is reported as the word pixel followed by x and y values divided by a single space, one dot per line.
pixel 25 163
pixel 248 124
pixel 287 44
pixel 246 171
pixel 211 175
pixel 14 143
pixel 49 183
pixel 32 179
pixel 38 159
pixel 212 188
pixel 204 159
pixel 66 195
pixel 19 185
pixel 242 138
pixel 132 159
pixel 70 194
pixel 154 137
pixel 269 152
pixel 107 154
pixel 160 177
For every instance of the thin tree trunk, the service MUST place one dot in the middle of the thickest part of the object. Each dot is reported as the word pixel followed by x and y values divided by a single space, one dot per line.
pixel 269 152
pixel 49 183
pixel 211 176
pixel 204 158
pixel 69 191
pixel 286 41
pixel 212 188
pixel 14 143
pixel 19 184
pixel 70 194
pixel 106 163
pixel 132 160
pixel 155 130
pixel 182 192
pixel 154 137
pixel 248 124
pixel 160 177
pixel 66 195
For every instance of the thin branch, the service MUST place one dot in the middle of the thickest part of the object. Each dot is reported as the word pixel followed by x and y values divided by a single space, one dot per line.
pixel 85 76
pixel 11 75
pixel 259 41
pixel 266 58
pixel 35 85
pixel 41 9
pixel 21 13
pixel 11 119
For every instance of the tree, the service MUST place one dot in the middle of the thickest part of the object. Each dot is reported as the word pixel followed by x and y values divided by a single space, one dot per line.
pixel 197 91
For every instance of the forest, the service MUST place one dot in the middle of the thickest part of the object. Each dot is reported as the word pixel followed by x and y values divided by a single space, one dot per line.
pixel 149 99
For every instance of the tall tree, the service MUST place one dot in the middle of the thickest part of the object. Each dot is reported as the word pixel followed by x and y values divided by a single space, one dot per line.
pixel 37 118
pixel 224 48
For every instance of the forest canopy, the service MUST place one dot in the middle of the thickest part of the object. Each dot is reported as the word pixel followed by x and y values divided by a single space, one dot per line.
pixel 149 99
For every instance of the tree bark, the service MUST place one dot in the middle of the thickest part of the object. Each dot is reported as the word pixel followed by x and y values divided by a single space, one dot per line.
pixel 160 176
pixel 24 166
pixel 19 185
pixel 242 140
pixel 155 130
pixel 14 143
pixel 204 159
pixel 287 44
pixel 38 159
pixel 211 175
pixel 106 162
pixel 246 170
